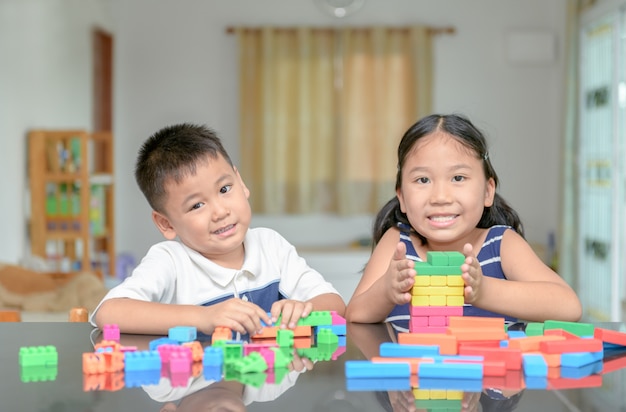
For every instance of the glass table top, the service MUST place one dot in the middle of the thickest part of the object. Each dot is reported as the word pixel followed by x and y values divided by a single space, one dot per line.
pixel 322 388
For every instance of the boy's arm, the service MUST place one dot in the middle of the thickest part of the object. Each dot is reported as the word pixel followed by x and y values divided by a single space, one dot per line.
pixel 329 301
pixel 143 317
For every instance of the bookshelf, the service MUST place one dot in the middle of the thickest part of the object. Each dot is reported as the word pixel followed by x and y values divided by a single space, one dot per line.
pixel 72 199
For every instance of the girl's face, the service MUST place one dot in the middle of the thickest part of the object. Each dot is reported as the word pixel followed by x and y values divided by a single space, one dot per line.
pixel 209 212
pixel 444 191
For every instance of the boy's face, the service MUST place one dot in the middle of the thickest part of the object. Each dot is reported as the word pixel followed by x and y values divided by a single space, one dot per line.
pixel 209 212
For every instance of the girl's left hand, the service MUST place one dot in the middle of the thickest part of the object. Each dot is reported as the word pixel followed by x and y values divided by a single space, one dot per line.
pixel 472 275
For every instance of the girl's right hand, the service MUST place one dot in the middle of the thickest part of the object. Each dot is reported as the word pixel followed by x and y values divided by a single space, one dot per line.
pixel 400 276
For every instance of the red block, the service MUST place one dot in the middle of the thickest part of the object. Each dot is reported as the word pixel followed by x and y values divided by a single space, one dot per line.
pixel 610 336
pixel 511 357
pixel 571 345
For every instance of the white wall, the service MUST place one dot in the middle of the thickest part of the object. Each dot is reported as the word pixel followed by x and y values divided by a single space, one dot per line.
pixel 45 82
pixel 174 62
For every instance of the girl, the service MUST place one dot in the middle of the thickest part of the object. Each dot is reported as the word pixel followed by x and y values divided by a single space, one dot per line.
pixel 446 200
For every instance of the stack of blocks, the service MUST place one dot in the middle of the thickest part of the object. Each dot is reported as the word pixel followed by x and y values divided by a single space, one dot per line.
pixel 179 356
pixel 437 293
pixel 476 353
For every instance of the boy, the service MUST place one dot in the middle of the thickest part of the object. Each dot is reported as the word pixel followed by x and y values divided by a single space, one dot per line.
pixel 219 272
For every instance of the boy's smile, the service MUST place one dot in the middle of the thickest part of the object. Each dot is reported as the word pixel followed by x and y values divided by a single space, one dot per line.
pixel 444 191
pixel 209 212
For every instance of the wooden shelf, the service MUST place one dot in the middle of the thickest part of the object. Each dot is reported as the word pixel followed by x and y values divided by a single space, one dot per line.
pixel 71 186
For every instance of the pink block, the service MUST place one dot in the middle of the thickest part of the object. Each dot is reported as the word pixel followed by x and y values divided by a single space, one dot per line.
pixel 248 348
pixel 340 350
pixel 437 321
pixel 111 332
pixel 179 379
pixel 269 356
pixel 180 362
pixel 419 320
pixel 337 319
pixel 436 310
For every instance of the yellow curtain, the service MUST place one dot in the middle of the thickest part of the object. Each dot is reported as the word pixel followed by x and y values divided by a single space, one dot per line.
pixel 322 112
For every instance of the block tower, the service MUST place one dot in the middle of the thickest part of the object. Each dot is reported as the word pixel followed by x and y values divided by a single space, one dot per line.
pixel 437 293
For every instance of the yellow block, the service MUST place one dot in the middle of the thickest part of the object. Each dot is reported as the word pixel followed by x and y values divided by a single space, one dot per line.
pixel 454 301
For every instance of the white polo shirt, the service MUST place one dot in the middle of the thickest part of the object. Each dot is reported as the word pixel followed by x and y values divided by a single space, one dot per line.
pixel 272 270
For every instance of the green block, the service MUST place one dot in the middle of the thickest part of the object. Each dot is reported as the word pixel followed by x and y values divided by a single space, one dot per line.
pixel 534 329
pixel 317 318
pixel 38 355
pixel 254 362
pixel 279 375
pixel 437 258
pixel 423 268
pixel 455 258
pixel 38 373
pixel 232 351
pixel 578 329
pixel 254 379
pixel 326 336
pixel 452 404
pixel 282 357
pixel 284 338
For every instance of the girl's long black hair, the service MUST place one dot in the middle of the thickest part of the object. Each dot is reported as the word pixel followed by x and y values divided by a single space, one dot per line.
pixel 459 127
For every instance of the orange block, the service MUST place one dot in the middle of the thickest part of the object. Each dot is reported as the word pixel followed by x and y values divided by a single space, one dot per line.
pixel 475 322
pixel 93 363
pixel 447 343
pixel 560 332
pixel 531 343
pixel 221 333
pixel 477 333
pixel 270 332
pixel 197 353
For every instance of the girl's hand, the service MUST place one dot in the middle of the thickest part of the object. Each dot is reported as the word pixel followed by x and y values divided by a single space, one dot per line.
pixel 290 312
pixel 472 275
pixel 400 276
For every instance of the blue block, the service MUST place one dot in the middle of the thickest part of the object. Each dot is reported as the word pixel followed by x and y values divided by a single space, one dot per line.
pixel 578 359
pixel 396 350
pixel 451 370
pixel 154 344
pixel 515 334
pixel 375 384
pixel 534 365
pixel 133 379
pixel 142 361
pixel 504 343
pixel 213 356
pixel 582 371
pixel 339 330
pixel 367 369
pixel 183 333
pixel 467 385
pixel 212 373
pixel 536 382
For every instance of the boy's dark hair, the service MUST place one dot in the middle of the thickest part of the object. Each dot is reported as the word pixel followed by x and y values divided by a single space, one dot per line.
pixel 459 127
pixel 173 153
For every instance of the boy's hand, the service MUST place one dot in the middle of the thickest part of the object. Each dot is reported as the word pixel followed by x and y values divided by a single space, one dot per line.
pixel 290 312
pixel 239 315
pixel 299 364
pixel 472 275
pixel 400 276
